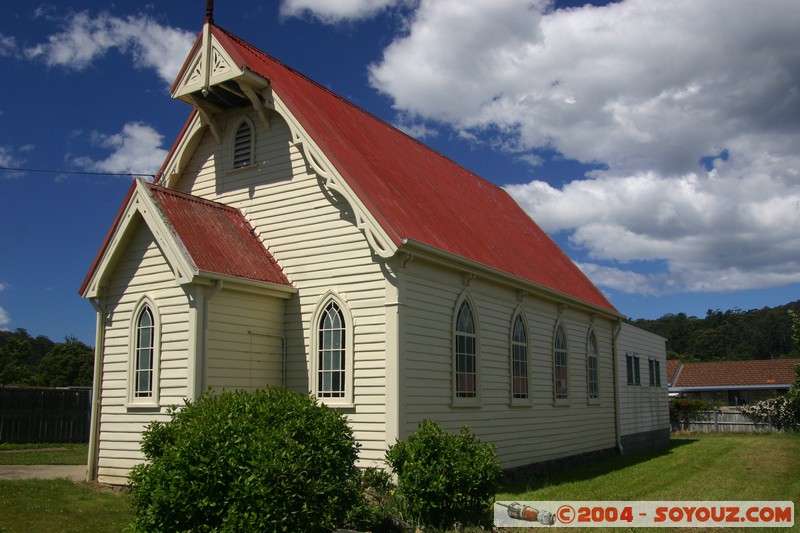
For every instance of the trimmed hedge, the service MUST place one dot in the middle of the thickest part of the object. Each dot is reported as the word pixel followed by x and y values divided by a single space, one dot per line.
pixel 269 460
pixel 445 479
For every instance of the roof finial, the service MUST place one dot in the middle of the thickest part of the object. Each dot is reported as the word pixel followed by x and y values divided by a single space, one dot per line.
pixel 210 11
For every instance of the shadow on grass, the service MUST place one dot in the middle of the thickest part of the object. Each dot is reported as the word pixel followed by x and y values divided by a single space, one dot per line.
pixel 585 472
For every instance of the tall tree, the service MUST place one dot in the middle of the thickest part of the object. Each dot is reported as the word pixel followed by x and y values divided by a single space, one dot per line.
pixel 14 357
pixel 68 363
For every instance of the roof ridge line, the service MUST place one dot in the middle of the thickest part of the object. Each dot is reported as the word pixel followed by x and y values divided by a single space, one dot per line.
pixel 193 198
pixel 280 63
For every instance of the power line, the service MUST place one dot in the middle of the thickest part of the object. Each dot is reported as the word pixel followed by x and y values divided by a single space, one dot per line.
pixel 83 173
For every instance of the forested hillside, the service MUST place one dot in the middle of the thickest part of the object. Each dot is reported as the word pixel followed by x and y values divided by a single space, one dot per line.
pixel 731 335
pixel 27 360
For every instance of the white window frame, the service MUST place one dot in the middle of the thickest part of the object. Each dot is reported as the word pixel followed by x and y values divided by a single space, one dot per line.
pixel 134 399
pixel 346 399
pixel 633 372
pixel 459 398
pixel 592 352
pixel 557 398
pixel 515 346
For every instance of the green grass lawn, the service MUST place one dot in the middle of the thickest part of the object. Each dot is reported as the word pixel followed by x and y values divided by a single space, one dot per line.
pixel 694 467
pixel 44 454
pixel 61 506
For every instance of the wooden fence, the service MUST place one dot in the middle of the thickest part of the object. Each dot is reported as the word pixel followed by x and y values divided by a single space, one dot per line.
pixel 44 415
pixel 725 421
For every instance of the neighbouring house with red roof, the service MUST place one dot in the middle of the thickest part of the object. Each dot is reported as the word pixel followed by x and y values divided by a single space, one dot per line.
pixel 293 239
pixel 733 383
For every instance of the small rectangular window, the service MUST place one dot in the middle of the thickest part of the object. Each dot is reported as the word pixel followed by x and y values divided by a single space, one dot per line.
pixel 632 364
pixel 655 372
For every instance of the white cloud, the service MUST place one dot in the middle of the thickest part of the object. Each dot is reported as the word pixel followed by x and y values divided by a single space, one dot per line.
pixel 9 160
pixel 647 89
pixel 335 12
pixel 136 149
pixel 721 230
pixel 418 130
pixel 621 280
pixel 8 45
pixel 6 157
pixel 84 39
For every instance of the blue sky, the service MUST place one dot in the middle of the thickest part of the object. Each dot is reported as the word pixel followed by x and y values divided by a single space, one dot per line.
pixel 657 142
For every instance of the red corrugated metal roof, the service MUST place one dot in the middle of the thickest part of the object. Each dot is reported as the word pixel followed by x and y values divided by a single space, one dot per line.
pixel 777 372
pixel 217 237
pixel 414 192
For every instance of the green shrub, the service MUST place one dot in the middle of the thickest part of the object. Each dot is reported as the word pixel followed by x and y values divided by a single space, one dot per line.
pixel 683 410
pixel 269 460
pixel 445 479
pixel 782 411
pixel 379 510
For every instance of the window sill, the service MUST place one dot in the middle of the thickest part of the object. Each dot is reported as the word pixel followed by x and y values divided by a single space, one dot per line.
pixel 336 405
pixel 561 402
pixel 593 401
pixel 143 406
pixel 465 402
pixel 241 170
pixel 520 402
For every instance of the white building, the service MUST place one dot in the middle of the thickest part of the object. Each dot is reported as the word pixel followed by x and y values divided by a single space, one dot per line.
pixel 293 239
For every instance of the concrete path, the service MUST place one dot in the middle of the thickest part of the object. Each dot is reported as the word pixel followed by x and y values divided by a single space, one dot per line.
pixel 73 472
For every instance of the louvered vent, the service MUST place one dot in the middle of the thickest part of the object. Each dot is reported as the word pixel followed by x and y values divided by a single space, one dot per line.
pixel 243 146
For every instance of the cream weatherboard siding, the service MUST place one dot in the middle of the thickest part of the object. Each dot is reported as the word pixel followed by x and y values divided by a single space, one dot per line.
pixel 141 271
pixel 245 341
pixel 643 408
pixel 312 235
pixel 534 431
pixel 398 296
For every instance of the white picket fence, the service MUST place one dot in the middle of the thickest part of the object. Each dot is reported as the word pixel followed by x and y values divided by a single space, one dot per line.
pixel 727 422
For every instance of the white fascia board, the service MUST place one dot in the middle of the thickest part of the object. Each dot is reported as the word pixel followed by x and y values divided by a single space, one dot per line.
pixel 171 245
pixel 247 285
pixel 185 147
pixel 210 65
pixel 142 205
pixel 318 162
pixel 430 253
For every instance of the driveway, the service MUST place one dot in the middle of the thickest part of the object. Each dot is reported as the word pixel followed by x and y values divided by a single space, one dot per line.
pixel 73 472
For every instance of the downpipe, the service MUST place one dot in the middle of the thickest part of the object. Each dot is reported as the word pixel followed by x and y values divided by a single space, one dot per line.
pixel 97 378
pixel 615 362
